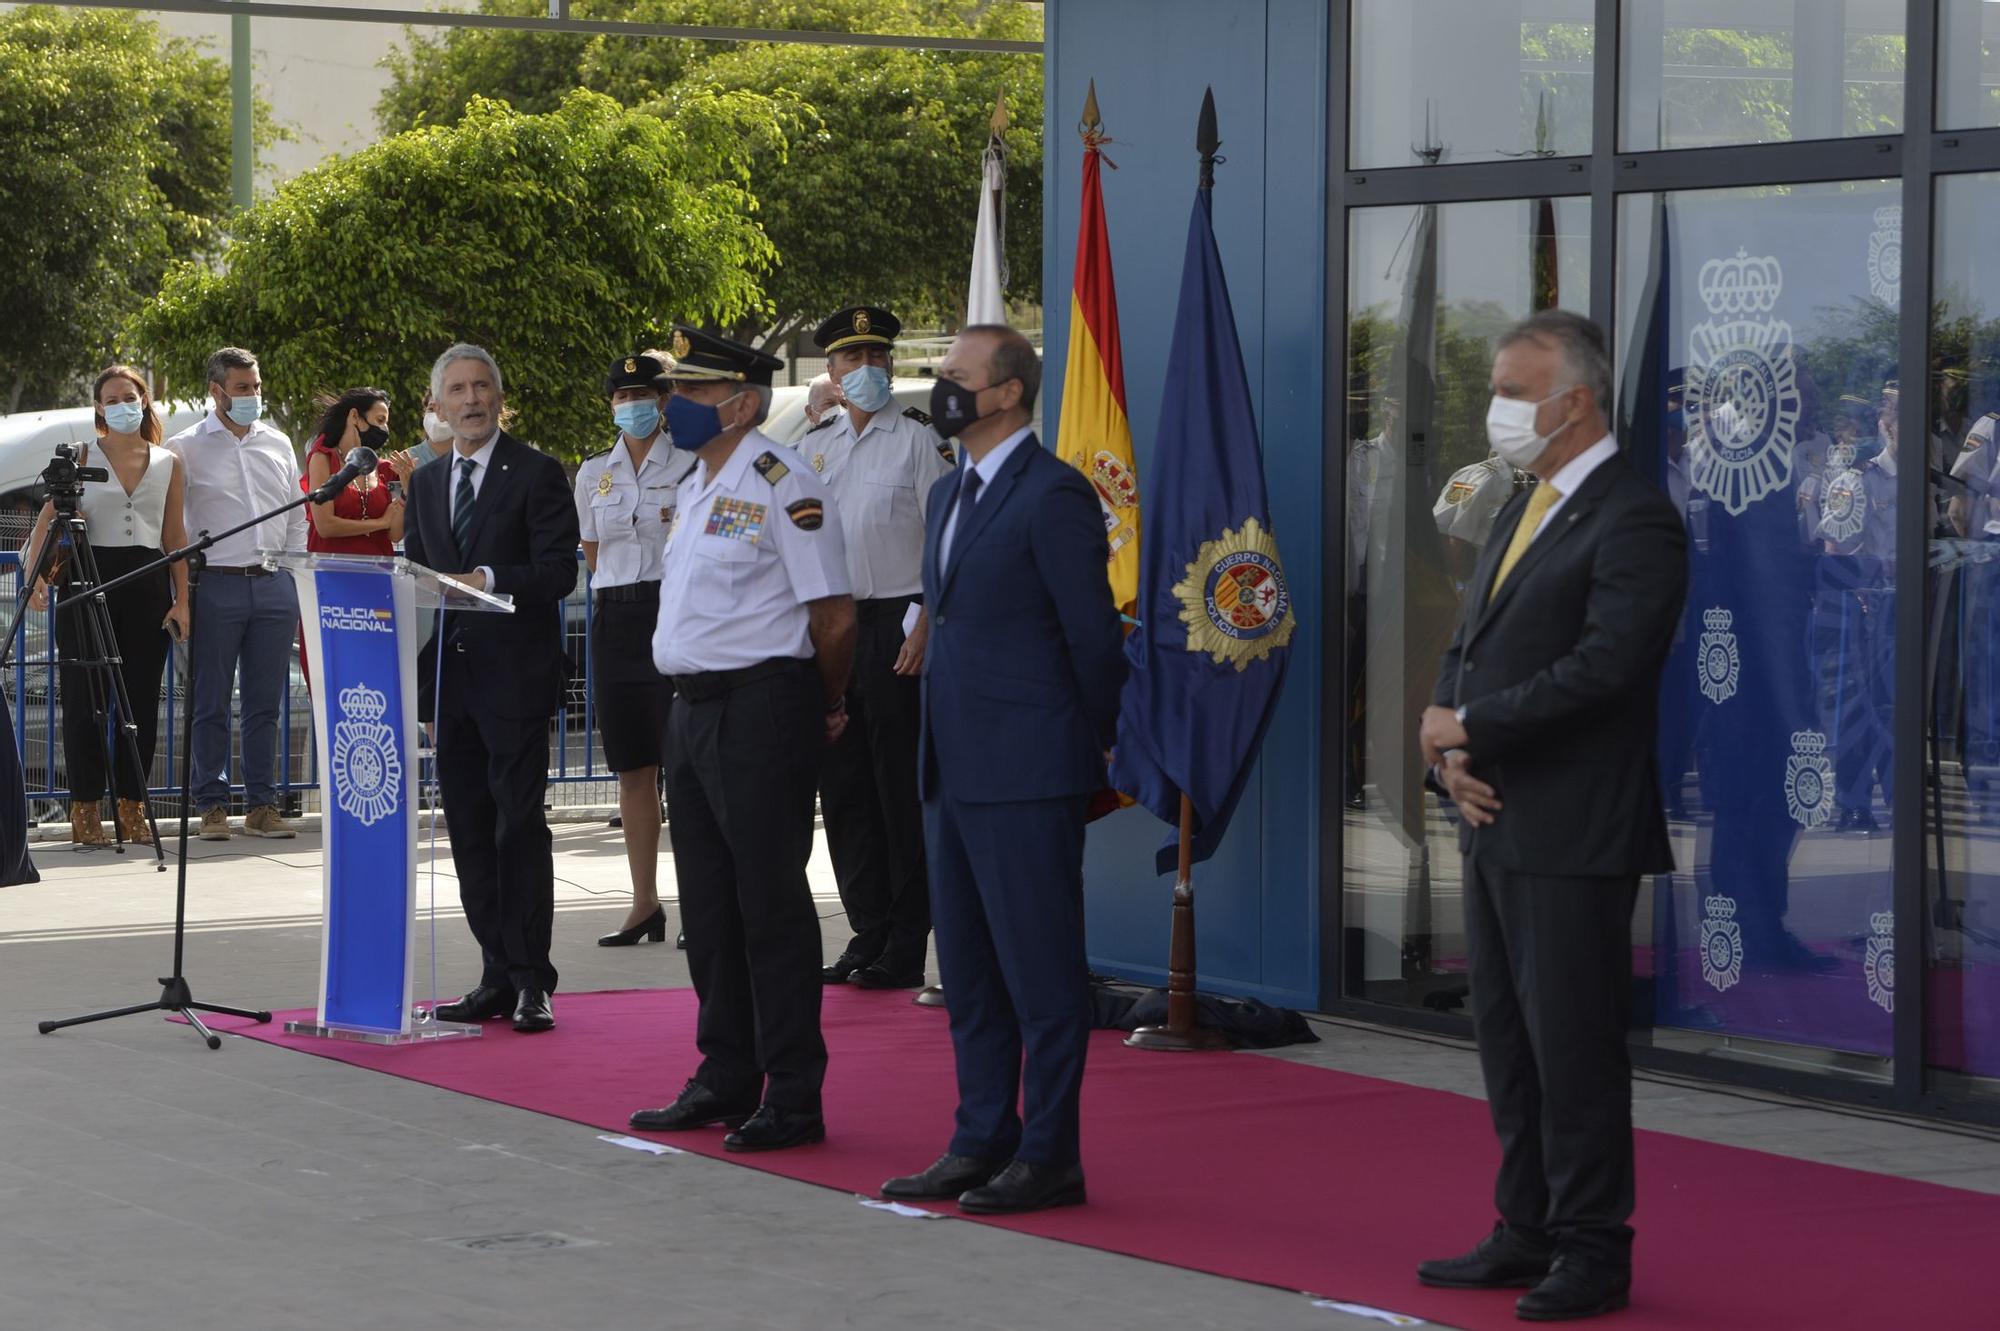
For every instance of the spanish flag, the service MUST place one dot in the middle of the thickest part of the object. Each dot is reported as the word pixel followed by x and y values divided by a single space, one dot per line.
pixel 1094 434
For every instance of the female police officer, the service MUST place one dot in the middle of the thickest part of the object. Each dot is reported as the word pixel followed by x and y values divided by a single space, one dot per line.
pixel 624 504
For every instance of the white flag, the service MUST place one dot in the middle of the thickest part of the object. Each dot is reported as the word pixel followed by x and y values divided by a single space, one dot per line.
pixel 983 304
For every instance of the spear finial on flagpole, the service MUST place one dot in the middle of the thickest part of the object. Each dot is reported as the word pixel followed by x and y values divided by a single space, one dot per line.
pixel 1000 121
pixel 1207 139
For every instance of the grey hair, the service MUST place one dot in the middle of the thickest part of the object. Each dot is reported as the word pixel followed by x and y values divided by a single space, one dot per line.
pixel 1578 340
pixel 455 353
pixel 224 359
pixel 763 393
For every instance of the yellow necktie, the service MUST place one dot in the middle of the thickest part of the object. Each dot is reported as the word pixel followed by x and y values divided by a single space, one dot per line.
pixel 1540 501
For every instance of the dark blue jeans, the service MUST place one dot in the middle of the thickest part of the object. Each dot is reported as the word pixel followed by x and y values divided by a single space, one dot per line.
pixel 246 625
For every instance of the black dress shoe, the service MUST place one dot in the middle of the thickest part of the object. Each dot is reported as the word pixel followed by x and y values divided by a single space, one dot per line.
pixel 948 1177
pixel 1576 1287
pixel 534 1012
pixel 482 1002
pixel 881 977
pixel 653 929
pixel 774 1129
pixel 1025 1187
pixel 1504 1259
pixel 681 941
pixel 695 1107
pixel 844 966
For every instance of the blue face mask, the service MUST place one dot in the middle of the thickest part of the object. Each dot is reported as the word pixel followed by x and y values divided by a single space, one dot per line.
pixel 639 420
pixel 125 417
pixel 693 423
pixel 246 409
pixel 867 387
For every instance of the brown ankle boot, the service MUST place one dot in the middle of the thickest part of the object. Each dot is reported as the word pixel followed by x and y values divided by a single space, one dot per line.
pixel 132 822
pixel 86 825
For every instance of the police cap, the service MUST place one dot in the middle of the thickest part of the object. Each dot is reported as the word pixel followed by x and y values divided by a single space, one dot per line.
pixel 704 357
pixel 858 326
pixel 640 371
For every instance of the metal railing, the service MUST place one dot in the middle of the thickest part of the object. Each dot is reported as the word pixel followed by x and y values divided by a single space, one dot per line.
pixel 32 686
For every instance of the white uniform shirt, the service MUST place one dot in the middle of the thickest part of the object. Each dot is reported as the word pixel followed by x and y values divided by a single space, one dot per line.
pixel 1978 465
pixel 749 547
pixel 626 510
pixel 227 482
pixel 881 481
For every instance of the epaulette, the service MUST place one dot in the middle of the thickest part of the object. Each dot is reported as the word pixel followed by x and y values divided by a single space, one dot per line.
pixel 918 414
pixel 771 468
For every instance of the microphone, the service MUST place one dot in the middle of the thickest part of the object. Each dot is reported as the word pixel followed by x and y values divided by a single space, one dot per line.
pixel 360 462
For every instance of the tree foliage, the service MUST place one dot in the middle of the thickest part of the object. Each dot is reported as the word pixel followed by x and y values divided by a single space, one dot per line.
pixel 868 193
pixel 114 161
pixel 556 241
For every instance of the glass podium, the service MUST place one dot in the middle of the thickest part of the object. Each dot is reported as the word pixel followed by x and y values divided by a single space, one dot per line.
pixel 365 619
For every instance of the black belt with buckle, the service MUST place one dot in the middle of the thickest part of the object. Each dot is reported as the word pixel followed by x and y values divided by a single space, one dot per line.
pixel 254 571
pixel 705 685
pixel 630 591
pixel 887 607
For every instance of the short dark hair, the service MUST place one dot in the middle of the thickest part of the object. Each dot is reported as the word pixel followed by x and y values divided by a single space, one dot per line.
pixel 1014 357
pixel 1580 342
pixel 221 362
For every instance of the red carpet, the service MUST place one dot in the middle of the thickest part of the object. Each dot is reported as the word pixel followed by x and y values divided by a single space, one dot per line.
pixel 1265 1170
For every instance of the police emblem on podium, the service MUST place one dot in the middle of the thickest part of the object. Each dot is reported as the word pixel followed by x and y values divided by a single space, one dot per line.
pixel 1742 391
pixel 1721 943
pixel 1717 660
pixel 1879 965
pixel 367 772
pixel 1234 599
pixel 1809 779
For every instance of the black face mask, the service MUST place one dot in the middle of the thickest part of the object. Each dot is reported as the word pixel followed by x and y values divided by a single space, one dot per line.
pixel 953 406
pixel 374 437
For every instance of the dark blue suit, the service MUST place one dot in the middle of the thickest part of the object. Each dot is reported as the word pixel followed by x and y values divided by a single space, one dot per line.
pixel 1020 701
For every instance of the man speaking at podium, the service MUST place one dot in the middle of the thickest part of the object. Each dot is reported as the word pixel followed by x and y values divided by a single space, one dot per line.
pixel 496 514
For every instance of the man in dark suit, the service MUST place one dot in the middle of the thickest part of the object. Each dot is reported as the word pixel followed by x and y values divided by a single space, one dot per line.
pixel 496 514
pixel 1542 732
pixel 1020 702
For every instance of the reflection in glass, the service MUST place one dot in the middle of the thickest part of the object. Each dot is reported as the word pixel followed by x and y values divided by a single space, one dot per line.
pixel 1968 64
pixel 1696 74
pixel 1759 377
pixel 1430 289
pixel 1962 759
pixel 1514 80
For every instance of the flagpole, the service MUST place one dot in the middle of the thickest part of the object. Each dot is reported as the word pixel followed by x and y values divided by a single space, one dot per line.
pixel 1184 1033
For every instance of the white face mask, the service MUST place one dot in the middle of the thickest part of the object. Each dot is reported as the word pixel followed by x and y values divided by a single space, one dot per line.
pixel 435 428
pixel 1510 428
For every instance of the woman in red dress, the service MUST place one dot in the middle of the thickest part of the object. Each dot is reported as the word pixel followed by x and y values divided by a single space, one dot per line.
pixel 363 519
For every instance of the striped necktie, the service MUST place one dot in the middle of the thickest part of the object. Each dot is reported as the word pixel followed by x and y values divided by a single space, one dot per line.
pixel 1540 501
pixel 461 507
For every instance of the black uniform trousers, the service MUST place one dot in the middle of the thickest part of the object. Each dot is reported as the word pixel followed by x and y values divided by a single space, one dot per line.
pixel 1007 894
pixel 135 612
pixel 494 772
pixel 1551 965
pixel 868 794
pixel 742 753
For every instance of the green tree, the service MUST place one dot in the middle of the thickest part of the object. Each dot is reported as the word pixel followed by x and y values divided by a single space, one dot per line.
pixel 554 240
pixel 870 191
pixel 114 161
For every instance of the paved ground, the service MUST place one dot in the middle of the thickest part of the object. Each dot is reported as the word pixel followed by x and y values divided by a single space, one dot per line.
pixel 146 1182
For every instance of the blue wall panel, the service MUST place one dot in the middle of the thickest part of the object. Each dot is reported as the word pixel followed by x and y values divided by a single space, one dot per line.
pixel 1257 898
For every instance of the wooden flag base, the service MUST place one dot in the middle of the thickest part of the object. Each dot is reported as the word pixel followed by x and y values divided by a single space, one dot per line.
pixel 931 995
pixel 1183 1033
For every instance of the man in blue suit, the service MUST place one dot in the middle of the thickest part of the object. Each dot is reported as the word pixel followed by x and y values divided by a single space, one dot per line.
pixel 1020 702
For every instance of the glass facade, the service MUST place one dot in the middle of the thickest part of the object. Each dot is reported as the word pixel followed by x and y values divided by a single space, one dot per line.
pixel 1699 74
pixel 1968 64
pixel 1512 81
pixel 1783 214
pixel 1429 288
pixel 1961 831
pixel 1758 331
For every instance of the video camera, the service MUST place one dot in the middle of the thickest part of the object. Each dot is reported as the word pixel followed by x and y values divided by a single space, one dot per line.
pixel 64 478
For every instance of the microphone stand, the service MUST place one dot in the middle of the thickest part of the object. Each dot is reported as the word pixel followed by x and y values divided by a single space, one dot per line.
pixel 175 996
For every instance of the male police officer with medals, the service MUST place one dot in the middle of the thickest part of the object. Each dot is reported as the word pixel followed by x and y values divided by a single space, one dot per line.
pixel 879 463
pixel 624 500
pixel 756 629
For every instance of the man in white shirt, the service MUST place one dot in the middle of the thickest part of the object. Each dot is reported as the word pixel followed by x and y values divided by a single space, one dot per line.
pixel 237 465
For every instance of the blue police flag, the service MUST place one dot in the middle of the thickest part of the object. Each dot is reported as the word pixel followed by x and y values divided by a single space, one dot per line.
pixel 1215 610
